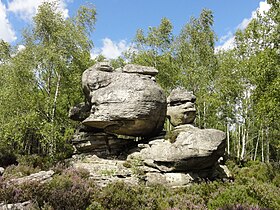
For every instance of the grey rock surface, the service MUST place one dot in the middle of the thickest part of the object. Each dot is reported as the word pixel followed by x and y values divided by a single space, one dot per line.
pixel 180 95
pixel 146 70
pixel 101 144
pixel 170 179
pixel 41 176
pixel 104 171
pixel 181 108
pixel 133 172
pixel 194 149
pixel 182 114
pixel 16 206
pixel 124 103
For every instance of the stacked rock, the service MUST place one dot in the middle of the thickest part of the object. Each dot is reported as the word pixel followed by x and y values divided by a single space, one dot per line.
pixel 126 102
pixel 125 105
pixel 187 152
pixel 181 109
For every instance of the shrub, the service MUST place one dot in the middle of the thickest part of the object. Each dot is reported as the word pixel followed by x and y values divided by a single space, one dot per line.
pixel 73 189
pixel 241 207
pixel 235 194
pixel 70 190
pixel 123 196
pixel 16 171
pixel 35 161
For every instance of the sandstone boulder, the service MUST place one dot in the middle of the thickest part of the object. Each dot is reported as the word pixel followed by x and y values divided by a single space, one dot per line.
pixel 129 104
pixel 181 109
pixel 41 176
pixel 132 68
pixel 193 149
pixel 179 96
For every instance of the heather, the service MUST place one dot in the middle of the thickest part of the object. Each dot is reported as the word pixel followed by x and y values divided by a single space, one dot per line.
pixel 255 186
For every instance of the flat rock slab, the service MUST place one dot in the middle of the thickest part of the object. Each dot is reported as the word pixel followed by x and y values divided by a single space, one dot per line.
pixel 194 149
pixel 41 176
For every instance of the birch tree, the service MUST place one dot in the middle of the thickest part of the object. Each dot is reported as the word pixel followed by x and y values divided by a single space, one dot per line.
pixel 57 51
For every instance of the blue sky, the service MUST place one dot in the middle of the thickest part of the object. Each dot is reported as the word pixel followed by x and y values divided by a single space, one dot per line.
pixel 118 20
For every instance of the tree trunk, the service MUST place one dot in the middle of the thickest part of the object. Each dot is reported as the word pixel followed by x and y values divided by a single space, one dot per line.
pixel 267 145
pixel 238 142
pixel 55 98
pixel 204 114
pixel 228 143
pixel 244 132
pixel 262 146
pixel 257 145
pixel 52 143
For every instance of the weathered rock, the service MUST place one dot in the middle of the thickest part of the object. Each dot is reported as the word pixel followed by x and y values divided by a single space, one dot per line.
pixel 104 66
pixel 104 171
pixel 101 144
pixel 124 103
pixel 79 112
pixel 179 96
pixel 132 172
pixel 181 109
pixel 16 206
pixel 170 179
pixel 146 70
pixel 41 176
pixel 193 149
pixel 182 114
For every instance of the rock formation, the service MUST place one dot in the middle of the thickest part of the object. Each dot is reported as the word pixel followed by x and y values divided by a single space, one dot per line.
pixel 186 153
pixel 193 149
pixel 123 116
pixel 181 108
pixel 124 102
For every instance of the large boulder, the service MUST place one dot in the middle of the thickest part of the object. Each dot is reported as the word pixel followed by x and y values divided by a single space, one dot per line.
pixel 187 149
pixel 181 109
pixel 127 102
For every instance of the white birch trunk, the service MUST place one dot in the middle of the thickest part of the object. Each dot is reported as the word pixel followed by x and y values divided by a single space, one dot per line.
pixel 267 145
pixel 228 143
pixel 262 146
pixel 256 148
pixel 243 143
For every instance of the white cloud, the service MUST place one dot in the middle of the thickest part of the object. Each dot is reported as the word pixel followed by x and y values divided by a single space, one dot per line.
pixel 26 9
pixel 224 38
pixel 227 41
pixel 227 45
pixel 110 49
pixel 21 48
pixel 245 22
pixel 6 33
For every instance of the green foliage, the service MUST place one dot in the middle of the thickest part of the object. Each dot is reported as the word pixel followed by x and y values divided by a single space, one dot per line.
pixel 40 83
pixel 16 171
pixel 237 90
